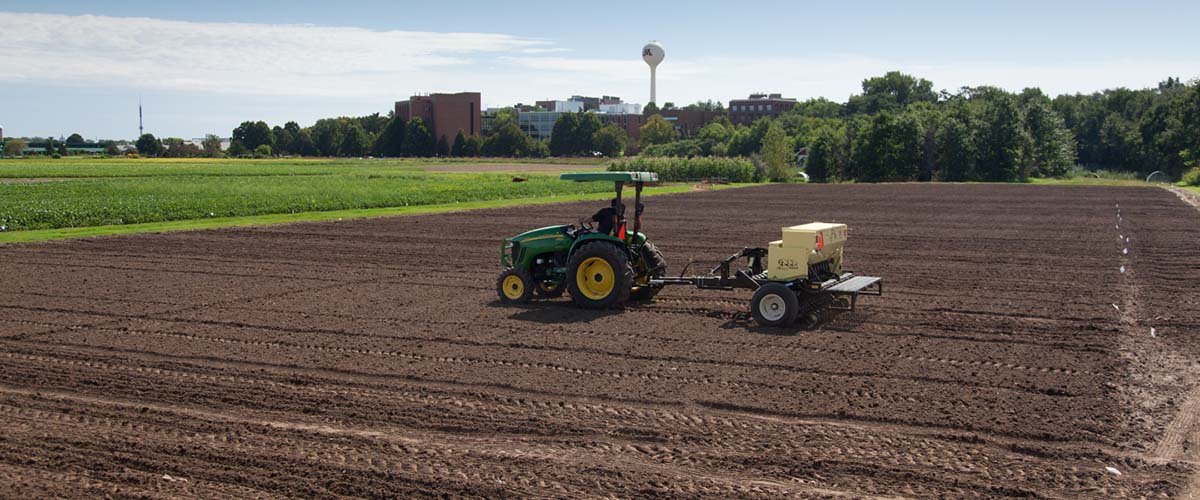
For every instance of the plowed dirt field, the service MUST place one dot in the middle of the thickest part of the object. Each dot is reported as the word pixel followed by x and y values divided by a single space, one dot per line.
pixel 1010 356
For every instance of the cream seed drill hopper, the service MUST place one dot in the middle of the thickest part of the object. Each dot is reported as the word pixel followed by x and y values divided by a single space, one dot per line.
pixel 797 276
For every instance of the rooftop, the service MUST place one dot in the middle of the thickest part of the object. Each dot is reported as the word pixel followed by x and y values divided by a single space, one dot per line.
pixel 765 97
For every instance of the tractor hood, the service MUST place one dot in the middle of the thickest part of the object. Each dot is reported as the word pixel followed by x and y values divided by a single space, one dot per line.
pixel 541 233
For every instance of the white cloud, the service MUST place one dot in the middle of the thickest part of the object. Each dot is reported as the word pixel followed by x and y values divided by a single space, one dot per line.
pixel 319 62
pixel 234 58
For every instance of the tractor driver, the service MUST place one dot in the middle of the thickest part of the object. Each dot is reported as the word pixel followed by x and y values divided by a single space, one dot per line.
pixel 607 218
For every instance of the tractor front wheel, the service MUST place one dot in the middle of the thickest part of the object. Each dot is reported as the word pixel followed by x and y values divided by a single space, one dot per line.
pixel 514 286
pixel 599 276
pixel 774 304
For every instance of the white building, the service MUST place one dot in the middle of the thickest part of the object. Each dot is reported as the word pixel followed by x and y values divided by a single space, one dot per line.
pixel 622 108
pixel 562 106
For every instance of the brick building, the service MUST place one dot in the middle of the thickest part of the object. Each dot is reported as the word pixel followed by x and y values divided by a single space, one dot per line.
pixel 745 111
pixel 630 123
pixel 444 114
pixel 688 122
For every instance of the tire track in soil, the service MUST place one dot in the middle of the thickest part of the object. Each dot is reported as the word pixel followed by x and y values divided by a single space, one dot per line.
pixel 636 456
pixel 720 416
pixel 642 455
pixel 623 355
pixel 1181 439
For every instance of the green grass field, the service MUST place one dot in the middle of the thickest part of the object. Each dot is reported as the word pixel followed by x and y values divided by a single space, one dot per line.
pixel 53 199
pixel 78 167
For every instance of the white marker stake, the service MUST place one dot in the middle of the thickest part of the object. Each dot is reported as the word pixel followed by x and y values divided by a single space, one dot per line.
pixel 1122 269
pixel 1152 332
pixel 1125 252
pixel 1117 308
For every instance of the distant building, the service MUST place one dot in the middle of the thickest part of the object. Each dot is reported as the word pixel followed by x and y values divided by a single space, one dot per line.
pixel 199 142
pixel 561 106
pixel 538 124
pixel 487 121
pixel 688 122
pixel 589 103
pixel 745 111
pixel 621 108
pixel 445 114
pixel 630 123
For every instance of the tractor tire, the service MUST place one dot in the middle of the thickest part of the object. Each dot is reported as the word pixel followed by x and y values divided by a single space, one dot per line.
pixel 599 276
pixel 774 304
pixel 656 267
pixel 544 291
pixel 514 286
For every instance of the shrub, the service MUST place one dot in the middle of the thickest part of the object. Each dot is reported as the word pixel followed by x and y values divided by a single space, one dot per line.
pixel 1079 171
pixel 1192 177
pixel 682 169
pixel 687 148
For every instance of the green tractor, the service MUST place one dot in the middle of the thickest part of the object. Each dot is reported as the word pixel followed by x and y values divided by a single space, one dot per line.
pixel 599 269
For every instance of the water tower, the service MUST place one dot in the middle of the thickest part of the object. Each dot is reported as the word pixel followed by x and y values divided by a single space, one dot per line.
pixel 653 54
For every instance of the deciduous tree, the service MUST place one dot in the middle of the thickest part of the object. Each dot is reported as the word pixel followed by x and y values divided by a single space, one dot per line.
pixel 610 140
pixel 15 147
pixel 148 145
pixel 418 140
pixel 777 153
pixel 657 130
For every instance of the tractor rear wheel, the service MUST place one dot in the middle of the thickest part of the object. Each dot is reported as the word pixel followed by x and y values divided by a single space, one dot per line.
pixel 514 286
pixel 774 304
pixel 599 276
pixel 656 267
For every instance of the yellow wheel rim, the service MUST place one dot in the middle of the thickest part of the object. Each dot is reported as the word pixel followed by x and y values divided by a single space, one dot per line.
pixel 595 278
pixel 513 287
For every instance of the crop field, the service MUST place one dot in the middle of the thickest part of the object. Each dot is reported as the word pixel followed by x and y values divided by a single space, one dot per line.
pixel 1033 341
pixel 48 194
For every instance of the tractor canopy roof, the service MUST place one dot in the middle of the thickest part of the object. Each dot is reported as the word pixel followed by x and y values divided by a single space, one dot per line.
pixel 610 176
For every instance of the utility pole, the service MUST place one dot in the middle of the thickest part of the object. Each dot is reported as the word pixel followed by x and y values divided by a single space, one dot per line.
pixel 140 132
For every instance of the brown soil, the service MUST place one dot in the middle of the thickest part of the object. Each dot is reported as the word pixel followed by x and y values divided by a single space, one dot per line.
pixel 371 358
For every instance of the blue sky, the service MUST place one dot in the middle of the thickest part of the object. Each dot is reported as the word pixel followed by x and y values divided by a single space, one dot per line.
pixel 74 66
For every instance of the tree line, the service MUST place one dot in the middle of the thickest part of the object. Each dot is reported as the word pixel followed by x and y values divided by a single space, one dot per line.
pixel 897 129
pixel 392 136
pixel 900 129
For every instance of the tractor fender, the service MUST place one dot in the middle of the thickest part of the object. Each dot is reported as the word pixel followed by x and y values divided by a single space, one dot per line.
pixel 590 237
